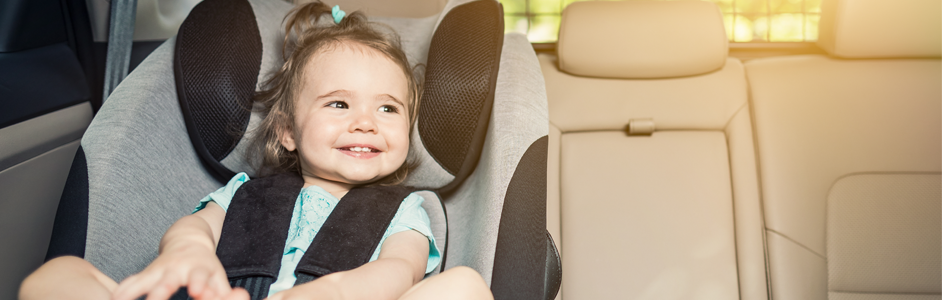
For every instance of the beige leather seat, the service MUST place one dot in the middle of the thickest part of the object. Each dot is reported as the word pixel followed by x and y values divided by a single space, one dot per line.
pixel 671 211
pixel 849 149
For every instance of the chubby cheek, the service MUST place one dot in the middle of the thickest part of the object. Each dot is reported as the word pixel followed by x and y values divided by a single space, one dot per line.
pixel 318 140
pixel 399 140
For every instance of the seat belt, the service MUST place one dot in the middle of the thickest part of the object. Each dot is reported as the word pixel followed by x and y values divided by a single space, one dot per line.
pixel 120 38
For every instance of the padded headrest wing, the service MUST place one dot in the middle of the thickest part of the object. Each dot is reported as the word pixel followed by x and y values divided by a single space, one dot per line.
pixel 216 64
pixel 460 77
pixel 641 39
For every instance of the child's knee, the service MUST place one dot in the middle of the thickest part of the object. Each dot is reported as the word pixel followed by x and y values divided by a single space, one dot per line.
pixel 465 274
pixel 32 285
pixel 467 281
pixel 68 262
pixel 63 271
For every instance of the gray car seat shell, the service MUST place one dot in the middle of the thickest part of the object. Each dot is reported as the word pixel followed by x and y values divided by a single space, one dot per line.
pixel 141 171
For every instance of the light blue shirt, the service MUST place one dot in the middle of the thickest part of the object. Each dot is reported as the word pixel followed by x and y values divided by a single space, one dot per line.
pixel 311 209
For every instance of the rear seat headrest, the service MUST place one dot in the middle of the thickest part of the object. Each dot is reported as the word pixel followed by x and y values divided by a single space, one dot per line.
pixel 641 39
pixel 880 28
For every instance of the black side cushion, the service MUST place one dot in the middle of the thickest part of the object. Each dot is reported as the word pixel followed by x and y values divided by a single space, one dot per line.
pixel 460 77
pixel 71 223
pixel 216 63
pixel 520 255
pixel 554 269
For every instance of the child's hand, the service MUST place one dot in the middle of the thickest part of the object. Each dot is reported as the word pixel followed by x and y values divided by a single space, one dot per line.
pixel 193 266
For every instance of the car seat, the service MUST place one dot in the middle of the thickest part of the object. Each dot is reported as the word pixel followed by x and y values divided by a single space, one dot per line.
pixel 651 152
pixel 163 140
pixel 848 143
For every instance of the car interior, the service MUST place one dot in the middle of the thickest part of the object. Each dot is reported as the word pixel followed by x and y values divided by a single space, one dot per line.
pixel 568 149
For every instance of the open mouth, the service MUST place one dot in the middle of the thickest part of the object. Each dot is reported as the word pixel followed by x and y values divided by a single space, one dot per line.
pixel 360 149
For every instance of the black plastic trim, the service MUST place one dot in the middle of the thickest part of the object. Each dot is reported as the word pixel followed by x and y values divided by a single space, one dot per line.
pixel 39 81
pixel 28 24
pixel 79 32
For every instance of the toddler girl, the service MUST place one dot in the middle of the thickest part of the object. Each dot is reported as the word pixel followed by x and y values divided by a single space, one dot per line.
pixel 338 118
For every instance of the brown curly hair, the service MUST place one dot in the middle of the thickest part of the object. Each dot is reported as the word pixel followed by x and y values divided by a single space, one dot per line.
pixel 304 38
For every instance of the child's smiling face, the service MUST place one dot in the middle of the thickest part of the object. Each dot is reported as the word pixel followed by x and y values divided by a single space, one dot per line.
pixel 351 121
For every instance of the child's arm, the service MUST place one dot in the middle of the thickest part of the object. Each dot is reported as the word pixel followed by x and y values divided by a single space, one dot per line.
pixel 187 258
pixel 400 265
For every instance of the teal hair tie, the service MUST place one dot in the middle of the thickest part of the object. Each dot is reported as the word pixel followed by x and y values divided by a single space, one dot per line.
pixel 338 14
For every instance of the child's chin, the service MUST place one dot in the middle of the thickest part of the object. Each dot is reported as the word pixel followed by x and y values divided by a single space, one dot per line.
pixel 363 179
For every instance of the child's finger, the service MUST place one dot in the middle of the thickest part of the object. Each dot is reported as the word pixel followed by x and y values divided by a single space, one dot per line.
pixel 135 286
pixel 167 286
pixel 237 294
pixel 219 284
pixel 277 296
pixel 197 283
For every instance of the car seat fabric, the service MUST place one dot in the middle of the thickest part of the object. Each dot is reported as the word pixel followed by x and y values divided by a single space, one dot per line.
pixel 143 172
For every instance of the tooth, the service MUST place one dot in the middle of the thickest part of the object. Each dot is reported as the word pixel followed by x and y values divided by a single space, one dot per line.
pixel 355 149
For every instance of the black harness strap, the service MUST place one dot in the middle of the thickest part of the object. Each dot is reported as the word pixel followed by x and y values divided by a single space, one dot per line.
pixel 254 232
pixel 352 232
pixel 256 226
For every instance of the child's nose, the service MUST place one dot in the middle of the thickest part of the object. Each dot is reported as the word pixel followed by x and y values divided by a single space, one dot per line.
pixel 363 122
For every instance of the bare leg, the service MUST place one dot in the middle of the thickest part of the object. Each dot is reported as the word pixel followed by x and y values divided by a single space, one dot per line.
pixel 455 283
pixel 67 277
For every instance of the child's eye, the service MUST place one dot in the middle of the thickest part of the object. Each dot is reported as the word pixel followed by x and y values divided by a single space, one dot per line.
pixel 388 109
pixel 338 104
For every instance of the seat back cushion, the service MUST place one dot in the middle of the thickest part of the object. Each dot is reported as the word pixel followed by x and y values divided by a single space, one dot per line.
pixel 884 236
pixel 652 216
pixel 819 119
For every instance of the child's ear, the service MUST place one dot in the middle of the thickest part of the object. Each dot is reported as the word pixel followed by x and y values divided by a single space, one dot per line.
pixel 287 139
